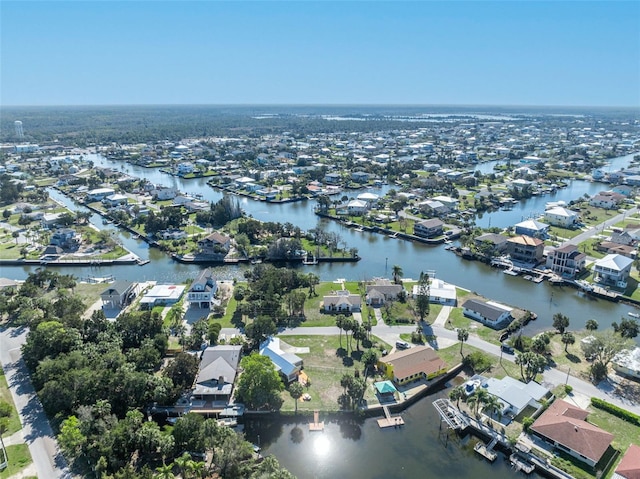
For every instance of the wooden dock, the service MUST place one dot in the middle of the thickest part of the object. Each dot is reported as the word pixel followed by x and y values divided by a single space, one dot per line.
pixel 482 449
pixel 388 420
pixel 520 464
pixel 316 425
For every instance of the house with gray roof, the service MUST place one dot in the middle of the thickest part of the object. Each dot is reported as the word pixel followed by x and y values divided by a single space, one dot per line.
pixel 118 294
pixel 217 372
pixel 203 289
pixel 488 313
pixel 341 301
pixel 382 291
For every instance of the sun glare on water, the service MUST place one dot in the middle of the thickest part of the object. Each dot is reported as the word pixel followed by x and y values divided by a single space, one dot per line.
pixel 321 446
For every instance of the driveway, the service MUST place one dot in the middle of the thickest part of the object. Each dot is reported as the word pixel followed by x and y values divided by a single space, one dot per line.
pixel 36 430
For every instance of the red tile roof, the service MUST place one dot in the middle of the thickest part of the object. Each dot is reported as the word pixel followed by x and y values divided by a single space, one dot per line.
pixel 629 467
pixel 565 424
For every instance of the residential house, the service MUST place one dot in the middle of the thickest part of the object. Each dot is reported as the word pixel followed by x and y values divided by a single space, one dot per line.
pixel 360 176
pixel 610 247
pixel 612 269
pixel 627 362
pixel 439 292
pixel 65 238
pixel 514 395
pixel 629 466
pixel 564 426
pixel 433 208
pixel 342 301
pixel 382 291
pixel 566 261
pixel 562 217
pixel 419 362
pixel 162 295
pixel 7 285
pixel 215 245
pixel 532 228
pixel 287 364
pixel 624 189
pixel 447 201
pixel 491 243
pixel 606 199
pixel 98 194
pixel 217 373
pixel 370 198
pixel 114 200
pixel 162 194
pixel 50 220
pixel 332 178
pixel 525 249
pixel 623 237
pixel 357 207
pixel 488 313
pixel 118 294
pixel 202 291
pixel 428 228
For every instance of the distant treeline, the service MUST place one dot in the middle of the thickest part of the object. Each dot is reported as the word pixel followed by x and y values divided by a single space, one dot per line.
pixel 85 125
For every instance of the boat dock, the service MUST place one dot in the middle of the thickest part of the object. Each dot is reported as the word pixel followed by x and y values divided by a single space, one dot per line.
pixel 388 420
pixel 316 425
pixel 486 451
pixel 521 464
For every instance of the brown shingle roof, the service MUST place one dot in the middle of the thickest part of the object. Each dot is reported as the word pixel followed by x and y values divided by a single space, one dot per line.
pixel 525 240
pixel 565 424
pixel 419 359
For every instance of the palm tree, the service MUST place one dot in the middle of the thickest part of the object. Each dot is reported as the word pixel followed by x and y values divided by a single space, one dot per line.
pixel 521 361
pixel 340 319
pixel 463 335
pixel 183 464
pixel 165 472
pixel 397 273
pixel 568 338
pixel 491 406
pixel 591 325
pixel 456 394
pixel 197 468
pixel 295 390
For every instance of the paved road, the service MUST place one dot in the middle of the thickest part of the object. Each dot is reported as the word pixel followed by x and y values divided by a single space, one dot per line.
pixel 607 390
pixel 594 230
pixel 36 430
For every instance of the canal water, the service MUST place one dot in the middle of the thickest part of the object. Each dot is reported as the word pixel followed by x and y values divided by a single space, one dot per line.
pixel 379 254
pixel 353 450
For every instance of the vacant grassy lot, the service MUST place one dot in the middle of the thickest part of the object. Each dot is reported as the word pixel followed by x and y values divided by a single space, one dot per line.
pixel 325 364
pixel 5 395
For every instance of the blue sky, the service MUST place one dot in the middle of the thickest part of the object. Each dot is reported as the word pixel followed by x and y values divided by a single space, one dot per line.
pixel 306 52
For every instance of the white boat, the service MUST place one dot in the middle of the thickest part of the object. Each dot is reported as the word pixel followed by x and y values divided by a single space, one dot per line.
pixel 633 315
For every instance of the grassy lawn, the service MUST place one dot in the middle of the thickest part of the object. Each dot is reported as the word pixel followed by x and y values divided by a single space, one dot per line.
pixel 9 249
pixel 89 293
pixel 325 367
pixel 5 395
pixel 19 458
pixel 624 432
pixel 588 247
pixel 564 232
pixel 573 358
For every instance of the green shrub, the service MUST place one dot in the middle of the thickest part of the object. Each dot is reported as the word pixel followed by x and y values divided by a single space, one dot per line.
pixel 568 389
pixel 616 411
pixel 527 422
pixel 477 361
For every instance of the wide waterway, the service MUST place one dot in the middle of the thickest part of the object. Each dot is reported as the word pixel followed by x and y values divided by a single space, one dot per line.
pixel 379 253
pixel 350 450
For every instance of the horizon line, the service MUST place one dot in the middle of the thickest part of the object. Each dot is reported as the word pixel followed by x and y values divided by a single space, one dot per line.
pixel 413 105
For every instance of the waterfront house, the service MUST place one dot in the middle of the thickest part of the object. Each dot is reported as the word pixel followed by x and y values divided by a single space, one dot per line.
pixel 382 291
pixel 419 362
pixel 215 245
pixel 488 313
pixel 357 207
pixel 98 194
pixel 606 199
pixel 287 364
pixel 162 194
pixel 447 201
pixel 332 178
pixel 8 285
pixel 217 373
pixel 627 362
pixel 629 466
pixel 370 198
pixel 162 295
pixel 342 301
pixel 532 228
pixel 118 294
pixel 562 217
pixel 65 238
pixel 491 243
pixel 514 395
pixel 564 426
pixel 525 249
pixel 114 200
pixel 566 261
pixel 612 269
pixel 360 176
pixel 203 290
pixel 439 292
pixel 428 228
pixel 433 208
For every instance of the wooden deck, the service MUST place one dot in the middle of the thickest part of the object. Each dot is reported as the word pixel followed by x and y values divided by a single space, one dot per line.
pixel 390 421
pixel 316 425
pixel 482 449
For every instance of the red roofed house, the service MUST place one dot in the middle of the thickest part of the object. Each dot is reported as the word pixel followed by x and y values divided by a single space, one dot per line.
pixel 629 467
pixel 419 362
pixel 564 426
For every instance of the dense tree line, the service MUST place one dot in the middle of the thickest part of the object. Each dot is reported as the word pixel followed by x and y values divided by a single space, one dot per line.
pixel 95 378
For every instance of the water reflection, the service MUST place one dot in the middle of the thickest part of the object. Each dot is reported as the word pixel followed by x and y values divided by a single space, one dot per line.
pixel 321 445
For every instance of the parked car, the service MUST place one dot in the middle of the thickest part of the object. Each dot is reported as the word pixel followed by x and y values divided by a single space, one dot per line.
pixel 402 345
pixel 506 348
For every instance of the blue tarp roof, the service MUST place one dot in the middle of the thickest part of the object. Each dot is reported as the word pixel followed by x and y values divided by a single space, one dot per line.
pixel 384 387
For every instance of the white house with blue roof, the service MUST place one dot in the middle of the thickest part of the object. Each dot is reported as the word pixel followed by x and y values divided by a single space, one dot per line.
pixel 287 364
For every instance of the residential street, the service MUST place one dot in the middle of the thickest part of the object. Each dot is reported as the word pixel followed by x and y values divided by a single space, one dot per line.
pixel 36 430
pixel 594 230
